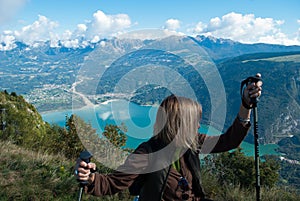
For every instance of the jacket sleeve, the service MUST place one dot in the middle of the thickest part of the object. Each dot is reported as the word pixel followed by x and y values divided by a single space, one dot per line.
pixel 231 139
pixel 122 178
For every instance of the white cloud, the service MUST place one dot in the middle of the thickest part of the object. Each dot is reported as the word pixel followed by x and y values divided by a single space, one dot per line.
pixel 199 28
pixel 103 25
pixel 149 34
pixel 96 39
pixel 7 42
pixel 43 29
pixel 8 8
pixel 81 27
pixel 39 31
pixel 71 43
pixel 172 24
pixel 245 28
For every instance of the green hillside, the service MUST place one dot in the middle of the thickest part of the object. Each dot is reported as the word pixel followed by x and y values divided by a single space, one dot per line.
pixel 23 124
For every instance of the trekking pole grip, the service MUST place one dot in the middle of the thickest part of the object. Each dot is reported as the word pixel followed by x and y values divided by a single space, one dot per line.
pixel 246 82
pixel 86 157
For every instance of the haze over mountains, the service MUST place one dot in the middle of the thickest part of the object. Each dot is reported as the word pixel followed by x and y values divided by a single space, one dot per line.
pixel 55 77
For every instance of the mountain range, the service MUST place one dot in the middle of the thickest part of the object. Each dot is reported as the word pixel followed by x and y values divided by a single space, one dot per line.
pixel 54 78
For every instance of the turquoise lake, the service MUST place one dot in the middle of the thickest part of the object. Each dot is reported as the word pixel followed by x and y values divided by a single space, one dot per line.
pixel 139 121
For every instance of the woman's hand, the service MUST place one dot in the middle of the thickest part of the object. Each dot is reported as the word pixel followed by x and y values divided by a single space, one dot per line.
pixel 253 90
pixel 83 171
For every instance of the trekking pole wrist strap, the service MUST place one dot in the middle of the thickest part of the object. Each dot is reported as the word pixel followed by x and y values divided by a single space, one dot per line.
pixel 243 120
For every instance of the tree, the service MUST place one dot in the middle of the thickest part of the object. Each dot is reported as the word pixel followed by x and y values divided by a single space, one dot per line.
pixel 78 134
pixel 234 168
pixel 116 135
pixel 270 171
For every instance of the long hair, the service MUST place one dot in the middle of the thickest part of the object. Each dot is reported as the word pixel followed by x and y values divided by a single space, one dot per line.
pixel 178 119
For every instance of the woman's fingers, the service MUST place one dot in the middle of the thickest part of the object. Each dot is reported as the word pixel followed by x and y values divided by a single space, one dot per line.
pixel 83 170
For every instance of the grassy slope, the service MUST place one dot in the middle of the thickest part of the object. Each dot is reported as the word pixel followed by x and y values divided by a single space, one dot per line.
pixel 31 176
pixel 27 175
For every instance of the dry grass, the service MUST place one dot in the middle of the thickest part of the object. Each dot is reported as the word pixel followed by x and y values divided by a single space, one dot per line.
pixel 29 175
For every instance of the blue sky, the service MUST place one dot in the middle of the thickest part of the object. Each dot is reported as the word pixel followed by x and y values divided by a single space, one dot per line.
pixel 247 21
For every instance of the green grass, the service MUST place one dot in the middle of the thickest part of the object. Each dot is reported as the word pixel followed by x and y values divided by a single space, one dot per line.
pixel 28 175
pixel 236 193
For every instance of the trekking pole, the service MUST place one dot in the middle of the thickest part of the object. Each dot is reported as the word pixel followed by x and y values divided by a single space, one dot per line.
pixel 256 149
pixel 86 157
pixel 3 122
pixel 254 102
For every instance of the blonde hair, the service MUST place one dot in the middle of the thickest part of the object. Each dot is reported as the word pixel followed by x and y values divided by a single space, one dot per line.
pixel 178 118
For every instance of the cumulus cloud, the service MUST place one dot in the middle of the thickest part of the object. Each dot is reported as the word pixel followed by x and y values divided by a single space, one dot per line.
pixel 103 25
pixel 8 8
pixel 238 27
pixel 42 30
pixel 245 28
pixel 172 24
pixel 7 41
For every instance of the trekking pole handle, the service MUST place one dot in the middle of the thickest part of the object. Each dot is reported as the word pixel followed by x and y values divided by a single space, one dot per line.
pixel 246 82
pixel 86 157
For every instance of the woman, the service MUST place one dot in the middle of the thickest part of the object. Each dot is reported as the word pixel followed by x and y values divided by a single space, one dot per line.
pixel 167 166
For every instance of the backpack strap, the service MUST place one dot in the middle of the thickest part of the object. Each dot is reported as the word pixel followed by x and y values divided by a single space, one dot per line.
pixel 165 183
pixel 194 163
